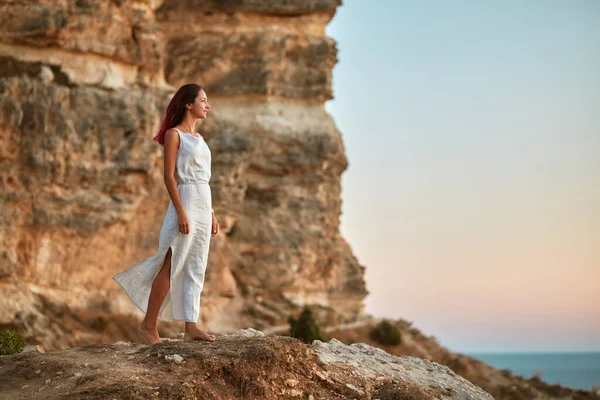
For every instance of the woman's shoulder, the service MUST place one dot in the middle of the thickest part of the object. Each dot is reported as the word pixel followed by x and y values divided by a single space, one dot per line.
pixel 172 132
pixel 172 136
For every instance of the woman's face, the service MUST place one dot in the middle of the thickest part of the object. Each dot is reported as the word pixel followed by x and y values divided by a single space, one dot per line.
pixel 200 107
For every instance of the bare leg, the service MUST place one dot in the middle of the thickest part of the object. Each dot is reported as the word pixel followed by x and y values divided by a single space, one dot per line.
pixel 193 333
pixel 160 288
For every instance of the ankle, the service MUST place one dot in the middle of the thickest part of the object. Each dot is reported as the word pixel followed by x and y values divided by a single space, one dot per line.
pixel 190 326
pixel 148 326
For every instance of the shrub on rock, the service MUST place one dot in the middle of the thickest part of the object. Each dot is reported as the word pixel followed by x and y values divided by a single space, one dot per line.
pixel 385 333
pixel 305 327
pixel 11 342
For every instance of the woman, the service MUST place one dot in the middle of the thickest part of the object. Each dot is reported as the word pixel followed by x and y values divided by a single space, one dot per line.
pixel 167 285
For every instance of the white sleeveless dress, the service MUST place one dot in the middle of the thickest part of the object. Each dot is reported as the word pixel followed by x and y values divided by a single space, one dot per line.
pixel 189 251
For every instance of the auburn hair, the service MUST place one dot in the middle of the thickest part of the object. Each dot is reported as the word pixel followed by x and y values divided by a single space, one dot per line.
pixel 176 109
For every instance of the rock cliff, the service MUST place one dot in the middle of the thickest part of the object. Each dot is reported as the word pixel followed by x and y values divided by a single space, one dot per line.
pixel 83 88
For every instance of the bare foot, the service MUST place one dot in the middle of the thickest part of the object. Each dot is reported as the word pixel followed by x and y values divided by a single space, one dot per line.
pixel 150 335
pixel 197 334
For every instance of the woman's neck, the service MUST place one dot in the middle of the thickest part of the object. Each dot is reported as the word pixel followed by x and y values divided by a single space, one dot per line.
pixel 187 130
pixel 188 124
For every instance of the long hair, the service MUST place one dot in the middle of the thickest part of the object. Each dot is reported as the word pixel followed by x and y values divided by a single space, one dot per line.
pixel 176 109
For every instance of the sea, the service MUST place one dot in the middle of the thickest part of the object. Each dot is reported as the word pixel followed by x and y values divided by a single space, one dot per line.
pixel 573 370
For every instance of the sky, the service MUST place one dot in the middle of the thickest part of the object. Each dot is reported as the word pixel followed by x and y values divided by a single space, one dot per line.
pixel 472 196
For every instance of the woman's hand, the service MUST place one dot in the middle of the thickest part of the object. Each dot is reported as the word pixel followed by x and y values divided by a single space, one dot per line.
pixel 183 223
pixel 215 226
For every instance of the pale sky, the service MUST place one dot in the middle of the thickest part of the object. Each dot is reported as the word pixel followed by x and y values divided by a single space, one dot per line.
pixel 472 129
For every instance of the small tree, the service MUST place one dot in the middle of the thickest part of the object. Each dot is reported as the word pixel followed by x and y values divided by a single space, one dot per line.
pixel 385 333
pixel 11 342
pixel 305 327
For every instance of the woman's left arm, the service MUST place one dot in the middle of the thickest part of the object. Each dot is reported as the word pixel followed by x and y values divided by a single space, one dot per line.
pixel 215 225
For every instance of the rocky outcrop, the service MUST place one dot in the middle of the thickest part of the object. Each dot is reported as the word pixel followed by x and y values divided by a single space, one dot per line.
pixel 246 365
pixel 372 362
pixel 502 384
pixel 109 44
pixel 83 87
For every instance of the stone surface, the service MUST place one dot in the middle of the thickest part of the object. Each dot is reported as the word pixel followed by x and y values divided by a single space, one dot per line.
pixel 282 7
pixel 176 358
pixel 248 332
pixel 83 88
pixel 64 35
pixel 373 362
pixel 240 366
pixel 33 348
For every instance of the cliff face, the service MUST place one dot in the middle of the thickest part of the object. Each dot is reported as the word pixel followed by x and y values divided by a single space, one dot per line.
pixel 83 87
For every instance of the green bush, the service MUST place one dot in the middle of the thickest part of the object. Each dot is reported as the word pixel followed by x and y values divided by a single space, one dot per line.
pixel 11 342
pixel 385 333
pixel 305 327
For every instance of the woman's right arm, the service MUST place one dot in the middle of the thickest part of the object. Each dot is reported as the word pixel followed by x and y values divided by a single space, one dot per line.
pixel 171 146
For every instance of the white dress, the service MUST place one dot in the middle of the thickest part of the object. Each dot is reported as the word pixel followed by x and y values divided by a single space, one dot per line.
pixel 189 251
